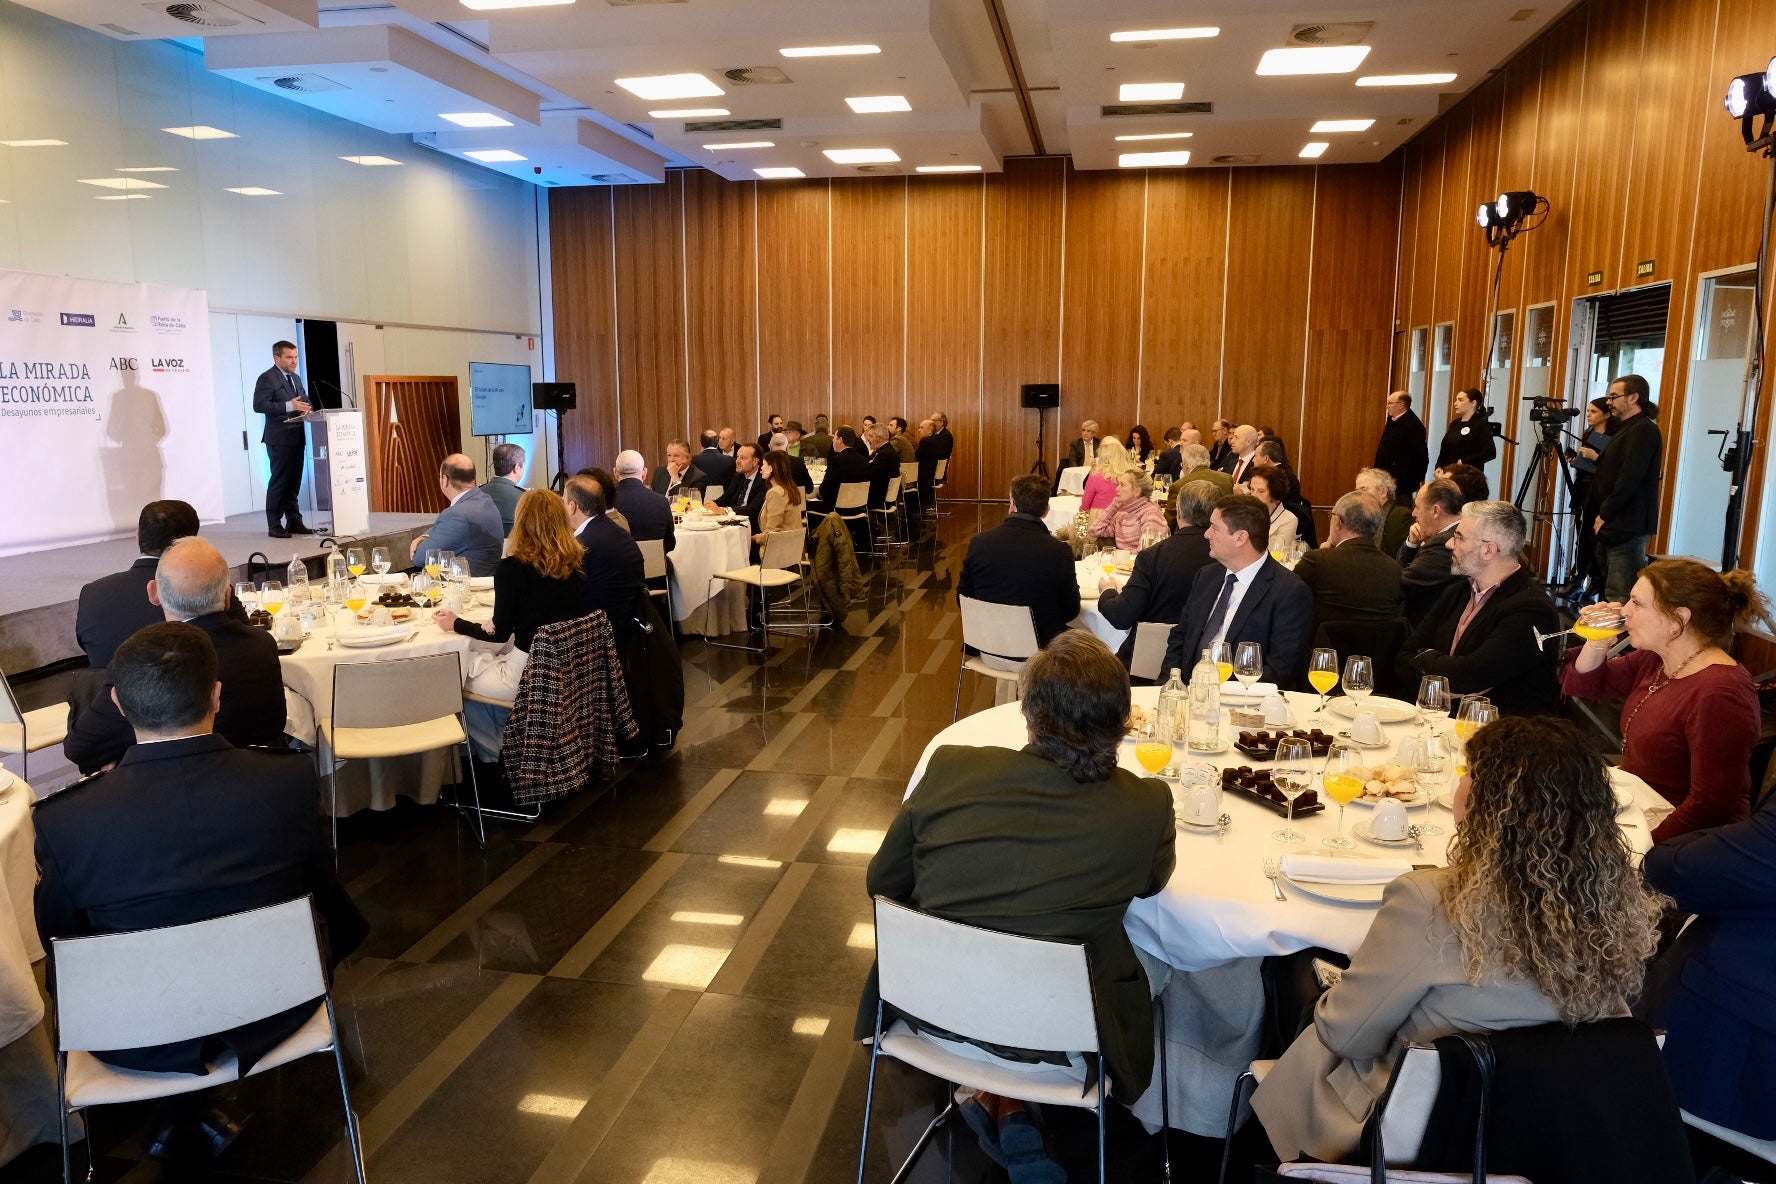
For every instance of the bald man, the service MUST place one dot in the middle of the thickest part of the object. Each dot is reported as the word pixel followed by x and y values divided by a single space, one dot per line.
pixel 649 513
pixel 191 584
pixel 470 525
pixel 1242 451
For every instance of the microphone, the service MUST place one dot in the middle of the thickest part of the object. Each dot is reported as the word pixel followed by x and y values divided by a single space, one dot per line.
pixel 349 401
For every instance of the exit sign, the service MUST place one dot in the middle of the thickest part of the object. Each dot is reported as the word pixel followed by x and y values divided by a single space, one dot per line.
pixel 1592 279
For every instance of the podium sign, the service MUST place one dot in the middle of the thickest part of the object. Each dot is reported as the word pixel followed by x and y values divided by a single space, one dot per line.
pixel 341 456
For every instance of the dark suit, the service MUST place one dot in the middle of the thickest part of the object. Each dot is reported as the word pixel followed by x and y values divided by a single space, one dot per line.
pixel 183 831
pixel 884 467
pixel 612 564
pixel 1169 463
pixel 1426 572
pixel 506 494
pixel 818 445
pixel 1498 652
pixel 1019 562
pixel 1352 582
pixel 1159 586
pixel 649 514
pixel 933 448
pixel 1276 612
pixel 1007 840
pixel 284 443
pixel 842 468
pixel 1238 469
pixel 252 698
pixel 113 607
pixel 716 465
pixel 470 526
pixel 694 480
pixel 1218 452
pixel 1404 452
pixel 745 495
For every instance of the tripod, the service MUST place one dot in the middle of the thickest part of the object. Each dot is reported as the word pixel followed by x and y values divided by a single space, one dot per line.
pixel 560 481
pixel 1041 465
pixel 1547 455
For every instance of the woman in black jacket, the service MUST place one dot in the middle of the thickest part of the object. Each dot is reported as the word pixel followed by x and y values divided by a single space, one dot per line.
pixel 1469 438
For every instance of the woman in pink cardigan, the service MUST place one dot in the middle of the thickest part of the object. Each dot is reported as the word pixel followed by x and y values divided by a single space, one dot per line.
pixel 1100 483
pixel 1132 514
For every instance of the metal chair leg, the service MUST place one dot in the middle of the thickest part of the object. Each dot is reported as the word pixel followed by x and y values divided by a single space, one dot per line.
pixel 1103 1176
pixel 1233 1113
pixel 353 1131
pixel 1165 1093
pixel 869 1095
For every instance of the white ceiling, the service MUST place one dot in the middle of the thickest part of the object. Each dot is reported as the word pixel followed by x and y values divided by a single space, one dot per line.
pixel 985 79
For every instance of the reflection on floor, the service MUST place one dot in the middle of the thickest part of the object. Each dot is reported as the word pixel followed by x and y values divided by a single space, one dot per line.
pixel 657 985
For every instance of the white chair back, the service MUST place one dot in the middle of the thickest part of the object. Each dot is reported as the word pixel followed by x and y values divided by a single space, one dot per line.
pixel 1148 660
pixel 852 495
pixel 653 558
pixel 159 986
pixel 9 708
pixel 943 469
pixel 1417 1078
pixel 1025 992
pixel 1003 630
pixel 397 692
pixel 909 472
pixel 782 549
pixel 893 494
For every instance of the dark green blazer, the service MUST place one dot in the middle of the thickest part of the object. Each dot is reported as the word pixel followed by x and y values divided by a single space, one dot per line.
pixel 1007 840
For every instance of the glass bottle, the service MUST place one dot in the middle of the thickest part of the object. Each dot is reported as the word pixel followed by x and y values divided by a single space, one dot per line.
pixel 1205 706
pixel 1173 707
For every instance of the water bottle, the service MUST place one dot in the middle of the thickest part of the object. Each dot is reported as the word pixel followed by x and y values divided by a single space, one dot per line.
pixel 1173 709
pixel 1205 706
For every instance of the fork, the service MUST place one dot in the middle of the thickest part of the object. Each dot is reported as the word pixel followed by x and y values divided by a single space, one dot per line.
pixel 1274 874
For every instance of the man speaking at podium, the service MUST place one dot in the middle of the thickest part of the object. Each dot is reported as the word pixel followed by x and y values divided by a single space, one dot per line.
pixel 278 395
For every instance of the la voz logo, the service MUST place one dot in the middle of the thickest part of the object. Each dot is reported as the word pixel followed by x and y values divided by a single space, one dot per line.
pixel 83 319
pixel 168 365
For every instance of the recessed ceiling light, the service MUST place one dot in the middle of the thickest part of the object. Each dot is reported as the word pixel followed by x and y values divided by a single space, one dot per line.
pixel 949 168
pixel 1314 149
pixel 1150 160
pixel 861 155
pixel 1317 59
pixel 1341 125
pixel 1160 136
pixel 373 160
pixel 121 183
pixel 495 155
pixel 1151 92
pixel 690 113
pixel 150 168
pixel 484 5
pixel 123 197
pixel 778 174
pixel 255 191
pixel 1166 34
pixel 35 143
pixel 670 86
pixel 475 119
pixel 201 131
pixel 741 144
pixel 829 51
pixel 876 104
pixel 1404 79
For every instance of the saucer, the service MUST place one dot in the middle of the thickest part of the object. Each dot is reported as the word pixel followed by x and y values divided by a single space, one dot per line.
pixel 1361 830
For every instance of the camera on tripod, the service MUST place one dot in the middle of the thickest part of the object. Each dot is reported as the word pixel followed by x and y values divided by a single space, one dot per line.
pixel 1551 414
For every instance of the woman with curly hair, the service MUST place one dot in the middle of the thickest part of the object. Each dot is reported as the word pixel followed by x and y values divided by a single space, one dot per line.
pixel 1539 917
pixel 1139 444
pixel 1132 513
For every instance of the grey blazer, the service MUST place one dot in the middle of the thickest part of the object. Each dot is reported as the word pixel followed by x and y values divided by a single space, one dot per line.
pixel 1406 983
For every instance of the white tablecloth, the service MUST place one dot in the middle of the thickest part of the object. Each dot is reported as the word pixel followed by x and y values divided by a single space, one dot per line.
pixel 20 1005
pixel 1089 572
pixel 696 556
pixel 1062 509
pixel 1073 480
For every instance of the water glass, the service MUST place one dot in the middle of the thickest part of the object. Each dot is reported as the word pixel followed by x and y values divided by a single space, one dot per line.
pixel 1248 663
pixel 1433 699
pixel 247 594
pixel 1431 762
pixel 1359 678
pixel 381 560
pixel 1292 774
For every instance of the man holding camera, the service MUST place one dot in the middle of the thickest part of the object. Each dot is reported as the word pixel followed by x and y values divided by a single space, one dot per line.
pixel 1624 498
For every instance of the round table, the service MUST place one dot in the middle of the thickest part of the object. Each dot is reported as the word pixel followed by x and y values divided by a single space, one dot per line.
pixel 1062 509
pixel 1072 480
pixel 697 554
pixel 1089 572
pixel 20 1005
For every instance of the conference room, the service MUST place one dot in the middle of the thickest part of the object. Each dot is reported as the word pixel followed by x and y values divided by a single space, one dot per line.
pixel 498 495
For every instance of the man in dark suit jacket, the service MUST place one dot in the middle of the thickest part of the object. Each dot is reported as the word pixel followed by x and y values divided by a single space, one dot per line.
pixel 1624 495
pixel 1165 574
pixel 113 607
pixel 649 514
pixel 679 476
pixel 1245 595
pixel 614 568
pixel 1242 453
pixel 1480 633
pixel 1082 451
pixel 884 464
pixel 1425 558
pixel 278 395
pixel 506 486
pixel 818 444
pixel 846 463
pixel 1404 450
pixel 1019 562
pixel 186 828
pixel 470 524
pixel 191 584
pixel 774 423
pixel 746 490
pixel 1220 443
pixel 715 464
pixel 1170 461
pixel 939 445
pixel 1351 580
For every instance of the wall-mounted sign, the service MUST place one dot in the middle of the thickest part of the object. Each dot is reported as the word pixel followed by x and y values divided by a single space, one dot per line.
pixel 1594 278
pixel 1645 268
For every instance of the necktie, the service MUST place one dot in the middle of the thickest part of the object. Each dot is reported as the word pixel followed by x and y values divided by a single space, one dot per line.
pixel 1218 614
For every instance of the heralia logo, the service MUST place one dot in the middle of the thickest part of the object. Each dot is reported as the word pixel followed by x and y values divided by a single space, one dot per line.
pixel 81 319
pixel 168 365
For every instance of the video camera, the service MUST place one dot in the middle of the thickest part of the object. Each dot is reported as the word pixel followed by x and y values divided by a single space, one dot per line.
pixel 1549 410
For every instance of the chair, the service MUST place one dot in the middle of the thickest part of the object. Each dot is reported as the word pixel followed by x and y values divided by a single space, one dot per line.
pixel 1002 630
pixel 25 732
pixel 851 504
pixel 159 986
pixel 779 566
pixel 888 513
pixel 1148 660
pixel 909 479
pixel 937 483
pixel 998 988
pixel 1380 640
pixel 653 567
pixel 399 708
pixel 1764 1149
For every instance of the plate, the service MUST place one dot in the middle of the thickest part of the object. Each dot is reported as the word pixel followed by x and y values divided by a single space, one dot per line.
pixel 1220 827
pixel 1364 745
pixel 1341 893
pixel 703 525
pixel 480 582
pixel 350 642
pixel 1361 830
pixel 1388 711
pixel 1420 798
pixel 6 780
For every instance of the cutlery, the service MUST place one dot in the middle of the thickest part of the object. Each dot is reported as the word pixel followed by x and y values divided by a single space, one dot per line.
pixel 1275 874
pixel 1415 834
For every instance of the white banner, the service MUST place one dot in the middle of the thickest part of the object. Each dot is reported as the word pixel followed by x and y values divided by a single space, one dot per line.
pixel 105 405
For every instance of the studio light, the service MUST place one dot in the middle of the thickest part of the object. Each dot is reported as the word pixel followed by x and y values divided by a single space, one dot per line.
pixel 1504 219
pixel 1748 97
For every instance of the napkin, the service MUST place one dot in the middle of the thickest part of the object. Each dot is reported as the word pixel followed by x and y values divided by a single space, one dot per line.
pixel 376 633
pixel 1330 869
pixel 480 582
pixel 1234 689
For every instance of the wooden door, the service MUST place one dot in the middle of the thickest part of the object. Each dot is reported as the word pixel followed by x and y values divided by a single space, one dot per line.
pixel 411 423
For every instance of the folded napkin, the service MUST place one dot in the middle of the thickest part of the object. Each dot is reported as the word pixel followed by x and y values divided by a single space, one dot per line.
pixel 1330 869
pixel 393 577
pixel 1234 689
pixel 375 632
pixel 480 582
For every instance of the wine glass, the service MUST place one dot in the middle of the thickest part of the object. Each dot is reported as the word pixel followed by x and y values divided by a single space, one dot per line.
pixel 381 560
pixel 1475 714
pixel 1433 699
pixel 247 594
pixel 459 569
pixel 1248 664
pixel 1322 674
pixel 1343 783
pixel 1432 766
pixel 433 565
pixel 1359 679
pixel 1292 775
pixel 423 585
pixel 1596 622
pixel 354 561
pixel 1154 751
pixel 271 596
pixel 1222 656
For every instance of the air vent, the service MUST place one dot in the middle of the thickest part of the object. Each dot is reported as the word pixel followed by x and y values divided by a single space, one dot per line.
pixel 755 76
pixel 119 30
pixel 734 125
pixel 878 168
pixel 1331 33
pixel 607 178
pixel 205 14
pixel 306 84
pixel 1405 121
pixel 1235 158
pixel 1114 110
pixel 639 3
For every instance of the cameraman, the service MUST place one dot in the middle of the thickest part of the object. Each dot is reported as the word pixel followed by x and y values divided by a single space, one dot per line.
pixel 1624 498
pixel 1584 462
pixel 1469 438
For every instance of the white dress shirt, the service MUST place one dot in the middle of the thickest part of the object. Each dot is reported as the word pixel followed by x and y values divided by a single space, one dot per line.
pixel 1242 583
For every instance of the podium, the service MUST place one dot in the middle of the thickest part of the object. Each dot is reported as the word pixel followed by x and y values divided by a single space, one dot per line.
pixel 341 469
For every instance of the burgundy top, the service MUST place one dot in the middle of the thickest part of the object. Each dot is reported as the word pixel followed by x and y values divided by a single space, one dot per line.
pixel 1691 739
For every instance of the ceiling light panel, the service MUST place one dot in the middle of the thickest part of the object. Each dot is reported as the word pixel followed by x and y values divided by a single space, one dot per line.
pixel 494 155
pixel 741 144
pixel 1326 126
pixel 1405 79
pixel 1159 136
pixel 655 88
pixel 878 104
pixel 1151 92
pixel 1321 59
pixel 475 119
pixel 948 168
pixel 201 131
pixel 779 174
pixel 370 160
pixel 1314 150
pixel 492 5
pixel 1190 34
pixel 121 183
pixel 861 155
pixel 150 168
pixel 255 191
pixel 37 143
pixel 123 197
pixel 690 113
pixel 1151 160
pixel 830 51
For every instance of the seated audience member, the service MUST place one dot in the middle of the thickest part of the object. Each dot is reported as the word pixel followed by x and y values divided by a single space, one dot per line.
pixel 1273 488
pixel 727 443
pixel 798 472
pixel 1481 632
pixel 1468 479
pixel 649 514
pixel 613 566
pixel 506 485
pixel 1539 917
pixel 1690 714
pixel 1190 434
pixel 1241 460
pixel 792 440
pixel 1052 840
pixel 1132 513
pixel 1425 557
pixel 191 584
pixel 884 464
pixel 1100 483
pixel 897 436
pixel 774 423
pixel 1195 460
pixel 1139 443
pixel 1163 575
pixel 470 524
pixel 818 444
pixel 715 465
pixel 1017 562
pixel 1168 463
pixel 538 584
pixel 1351 580
pixel 939 445
pixel 845 464
pixel 784 504
pixel 679 476
pixel 113 607
pixel 1220 442
pixel 1082 452
pixel 745 493
pixel 1396 519
pixel 186 828
pixel 1245 595
pixel 607 485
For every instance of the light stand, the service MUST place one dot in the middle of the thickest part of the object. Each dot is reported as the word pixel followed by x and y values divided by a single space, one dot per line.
pixel 1041 465
pixel 1749 96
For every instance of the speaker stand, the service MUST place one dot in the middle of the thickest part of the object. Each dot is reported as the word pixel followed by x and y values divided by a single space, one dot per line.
pixel 1041 465
pixel 560 481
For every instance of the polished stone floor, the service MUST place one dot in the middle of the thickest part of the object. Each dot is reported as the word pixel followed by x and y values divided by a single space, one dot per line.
pixel 655 985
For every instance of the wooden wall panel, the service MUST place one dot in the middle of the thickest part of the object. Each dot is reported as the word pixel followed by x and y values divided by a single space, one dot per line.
pixel 1021 331
pixel 1267 290
pixel 1676 100
pixel 721 320
pixel 1455 221
pixel 585 341
pixel 411 423
pixel 1729 186
pixel 868 298
pixel 648 226
pixel 1473 322
pixel 1557 120
pixel 794 309
pixel 945 241
pixel 1186 274
pixel 1521 98
pixel 1608 96
pixel 1101 316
